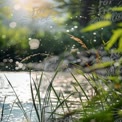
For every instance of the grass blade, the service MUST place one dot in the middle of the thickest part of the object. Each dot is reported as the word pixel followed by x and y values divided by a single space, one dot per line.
pixel 85 114
pixel 80 86
pixel 10 111
pixel 62 102
pixel 20 104
pixel 57 96
pixel 48 91
pixel 3 107
pixel 34 103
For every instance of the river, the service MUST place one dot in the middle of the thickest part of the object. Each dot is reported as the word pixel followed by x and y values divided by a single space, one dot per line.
pixel 21 84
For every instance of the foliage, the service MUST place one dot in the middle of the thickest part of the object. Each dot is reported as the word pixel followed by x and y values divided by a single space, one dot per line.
pixel 97 25
pixel 103 107
pixel 14 42
pixel 75 14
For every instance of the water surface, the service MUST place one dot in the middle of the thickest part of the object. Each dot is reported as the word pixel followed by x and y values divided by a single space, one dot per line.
pixel 21 84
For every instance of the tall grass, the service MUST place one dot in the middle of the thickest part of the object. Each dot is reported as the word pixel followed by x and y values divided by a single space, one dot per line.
pixel 50 108
pixel 103 103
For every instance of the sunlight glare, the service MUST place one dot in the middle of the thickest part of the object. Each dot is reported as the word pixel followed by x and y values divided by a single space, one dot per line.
pixel 35 8
pixel 28 4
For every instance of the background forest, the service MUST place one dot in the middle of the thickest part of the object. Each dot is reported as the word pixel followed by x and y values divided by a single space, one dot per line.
pixel 28 28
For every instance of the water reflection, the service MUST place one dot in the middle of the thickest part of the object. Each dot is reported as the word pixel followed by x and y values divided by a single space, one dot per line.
pixel 12 112
pixel 21 84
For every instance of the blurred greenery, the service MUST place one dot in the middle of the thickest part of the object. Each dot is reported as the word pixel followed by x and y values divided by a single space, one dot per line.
pixel 14 37
pixel 14 41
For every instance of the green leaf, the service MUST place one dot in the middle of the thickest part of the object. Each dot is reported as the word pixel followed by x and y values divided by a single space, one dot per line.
pixel 96 25
pixel 120 45
pixel 120 24
pixel 100 66
pixel 117 33
pixel 117 9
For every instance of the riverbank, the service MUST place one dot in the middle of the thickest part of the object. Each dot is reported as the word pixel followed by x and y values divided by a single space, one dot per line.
pixel 66 61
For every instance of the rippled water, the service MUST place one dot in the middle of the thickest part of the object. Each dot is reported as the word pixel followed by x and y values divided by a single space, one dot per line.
pixel 21 84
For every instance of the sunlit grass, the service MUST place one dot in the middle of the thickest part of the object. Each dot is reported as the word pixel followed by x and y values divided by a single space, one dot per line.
pixel 103 101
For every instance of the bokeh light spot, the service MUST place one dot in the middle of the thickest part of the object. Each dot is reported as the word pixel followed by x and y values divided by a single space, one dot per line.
pixel 12 24
pixel 34 44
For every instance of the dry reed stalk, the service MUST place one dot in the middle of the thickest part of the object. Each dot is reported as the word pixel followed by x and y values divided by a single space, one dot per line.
pixel 97 57
pixel 79 41
pixel 31 56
